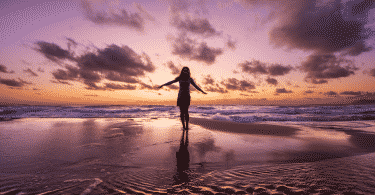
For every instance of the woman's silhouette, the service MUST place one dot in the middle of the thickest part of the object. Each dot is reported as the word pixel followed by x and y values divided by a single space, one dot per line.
pixel 183 100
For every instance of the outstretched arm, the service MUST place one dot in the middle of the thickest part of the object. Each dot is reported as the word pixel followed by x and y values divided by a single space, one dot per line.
pixel 169 83
pixel 196 86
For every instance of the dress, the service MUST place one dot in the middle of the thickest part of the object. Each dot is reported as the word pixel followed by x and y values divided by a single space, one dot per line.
pixel 183 99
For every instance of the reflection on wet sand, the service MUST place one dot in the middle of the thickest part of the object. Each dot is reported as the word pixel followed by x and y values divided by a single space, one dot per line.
pixel 183 159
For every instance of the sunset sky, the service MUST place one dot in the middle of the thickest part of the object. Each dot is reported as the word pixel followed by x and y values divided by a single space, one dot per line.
pixel 92 52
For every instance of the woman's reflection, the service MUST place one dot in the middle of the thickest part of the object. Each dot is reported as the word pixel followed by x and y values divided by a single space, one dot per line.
pixel 183 160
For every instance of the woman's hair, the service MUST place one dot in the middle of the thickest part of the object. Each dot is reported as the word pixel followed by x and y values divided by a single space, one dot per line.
pixel 185 73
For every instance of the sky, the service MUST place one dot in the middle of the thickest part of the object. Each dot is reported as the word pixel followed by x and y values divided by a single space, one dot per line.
pixel 113 52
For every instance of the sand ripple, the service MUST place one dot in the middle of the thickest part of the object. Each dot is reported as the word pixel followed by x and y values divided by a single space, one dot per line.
pixel 350 175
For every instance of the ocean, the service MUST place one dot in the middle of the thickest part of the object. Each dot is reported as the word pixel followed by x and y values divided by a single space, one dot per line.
pixel 235 113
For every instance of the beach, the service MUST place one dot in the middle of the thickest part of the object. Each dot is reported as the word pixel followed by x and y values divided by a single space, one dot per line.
pixel 155 156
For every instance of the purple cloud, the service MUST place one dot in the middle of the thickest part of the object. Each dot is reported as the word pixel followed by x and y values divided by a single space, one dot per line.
pixel 114 63
pixel 208 80
pixel 271 81
pixel 308 91
pixel 121 18
pixel 52 51
pixel 13 82
pixel 256 67
pixel 322 67
pixel 372 72
pixel 330 93
pixel 199 26
pixel 174 69
pixel 215 88
pixel 189 49
pixel 282 90
pixel 4 69
pixel 326 28
pixel 234 84
pixel 32 73
pixel 351 93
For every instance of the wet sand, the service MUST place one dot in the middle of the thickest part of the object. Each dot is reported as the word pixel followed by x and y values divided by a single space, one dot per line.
pixel 248 128
pixel 151 156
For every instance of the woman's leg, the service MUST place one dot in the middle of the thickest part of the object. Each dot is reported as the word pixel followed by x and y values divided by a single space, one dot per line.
pixel 187 117
pixel 182 113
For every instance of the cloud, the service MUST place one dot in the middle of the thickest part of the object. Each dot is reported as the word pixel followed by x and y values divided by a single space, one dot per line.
pixel 200 26
pixel 282 90
pixel 40 69
pixel 372 72
pixel 71 43
pixel 175 70
pixel 115 76
pixel 366 98
pixel 181 19
pixel 32 73
pixel 357 49
pixel 147 86
pixel 4 69
pixel 173 87
pixel 271 81
pixel 351 93
pixel 189 49
pixel 91 95
pixel 321 67
pixel 118 86
pixel 53 51
pixel 212 86
pixel 308 91
pixel 208 80
pixel 60 82
pixel 119 17
pixel 234 84
pixel 321 27
pixel 231 44
pixel 70 74
pixel 91 78
pixel 206 54
pixel 278 70
pixel 330 93
pixel 114 63
pixel 256 67
pixel 367 95
pixel 13 82
pixel 216 88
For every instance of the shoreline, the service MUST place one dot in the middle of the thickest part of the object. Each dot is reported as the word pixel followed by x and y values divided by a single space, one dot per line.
pixel 244 128
pixel 211 124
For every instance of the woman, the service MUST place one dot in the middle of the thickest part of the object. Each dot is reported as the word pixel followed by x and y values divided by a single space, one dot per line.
pixel 183 100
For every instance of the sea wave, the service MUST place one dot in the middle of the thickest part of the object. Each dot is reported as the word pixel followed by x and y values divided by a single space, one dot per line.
pixel 235 113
